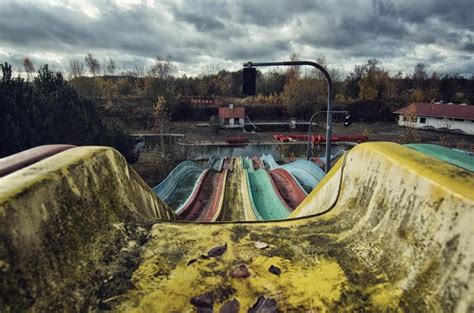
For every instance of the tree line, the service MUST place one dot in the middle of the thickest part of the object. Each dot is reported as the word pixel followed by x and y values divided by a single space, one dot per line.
pixel 368 90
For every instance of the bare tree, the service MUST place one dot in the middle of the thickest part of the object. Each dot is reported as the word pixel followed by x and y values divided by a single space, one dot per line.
pixel 92 64
pixel 29 67
pixel 162 68
pixel 138 70
pixel 293 71
pixel 109 67
pixel 161 117
pixel 420 72
pixel 75 69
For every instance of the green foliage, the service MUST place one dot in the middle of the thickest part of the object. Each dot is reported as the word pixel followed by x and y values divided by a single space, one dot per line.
pixel 50 111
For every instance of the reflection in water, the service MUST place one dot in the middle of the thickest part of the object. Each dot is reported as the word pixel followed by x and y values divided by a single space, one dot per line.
pixel 278 151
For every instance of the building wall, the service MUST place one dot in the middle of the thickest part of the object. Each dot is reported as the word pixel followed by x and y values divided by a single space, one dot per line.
pixel 465 125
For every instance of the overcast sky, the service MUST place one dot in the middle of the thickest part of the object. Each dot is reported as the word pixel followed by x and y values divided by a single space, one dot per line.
pixel 439 33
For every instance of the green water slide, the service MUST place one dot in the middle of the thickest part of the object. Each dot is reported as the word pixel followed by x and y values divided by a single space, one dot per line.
pixel 457 158
pixel 267 202
pixel 247 164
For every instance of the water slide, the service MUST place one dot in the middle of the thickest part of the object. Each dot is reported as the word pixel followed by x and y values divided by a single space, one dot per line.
pixel 266 201
pixel 307 173
pixel 294 191
pixel 388 229
pixel 237 205
pixel 28 157
pixel 247 164
pixel 287 186
pixel 205 203
pixel 269 162
pixel 461 159
pixel 176 188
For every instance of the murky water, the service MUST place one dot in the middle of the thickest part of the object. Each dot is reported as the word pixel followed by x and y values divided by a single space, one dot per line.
pixel 280 151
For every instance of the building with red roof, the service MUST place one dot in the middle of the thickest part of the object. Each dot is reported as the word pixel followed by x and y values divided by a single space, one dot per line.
pixel 448 117
pixel 231 117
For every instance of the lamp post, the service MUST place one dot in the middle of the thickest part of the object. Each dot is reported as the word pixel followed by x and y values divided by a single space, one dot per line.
pixel 308 147
pixel 330 98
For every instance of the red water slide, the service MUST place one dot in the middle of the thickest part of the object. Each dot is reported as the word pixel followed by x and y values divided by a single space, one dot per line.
pixel 25 158
pixel 206 201
pixel 287 187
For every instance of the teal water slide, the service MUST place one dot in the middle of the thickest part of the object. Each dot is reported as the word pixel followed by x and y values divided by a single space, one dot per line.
pixel 306 173
pixel 247 164
pixel 458 158
pixel 269 162
pixel 265 200
pixel 175 189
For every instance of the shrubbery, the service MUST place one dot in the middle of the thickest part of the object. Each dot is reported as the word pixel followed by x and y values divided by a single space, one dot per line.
pixel 49 111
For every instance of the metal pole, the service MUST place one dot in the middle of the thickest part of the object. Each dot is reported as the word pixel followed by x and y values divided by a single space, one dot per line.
pixel 308 147
pixel 330 96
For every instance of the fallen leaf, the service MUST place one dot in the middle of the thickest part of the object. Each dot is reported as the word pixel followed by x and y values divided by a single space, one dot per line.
pixel 232 306
pixel 264 305
pixel 240 271
pixel 216 251
pixel 274 270
pixel 206 300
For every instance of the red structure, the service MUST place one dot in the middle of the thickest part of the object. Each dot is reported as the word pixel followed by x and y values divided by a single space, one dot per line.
pixel 318 138
pixel 231 117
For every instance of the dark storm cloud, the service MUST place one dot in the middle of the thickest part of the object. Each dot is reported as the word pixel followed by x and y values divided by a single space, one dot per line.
pixel 195 33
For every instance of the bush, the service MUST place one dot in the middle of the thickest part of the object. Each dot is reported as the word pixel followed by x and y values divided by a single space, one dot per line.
pixel 49 111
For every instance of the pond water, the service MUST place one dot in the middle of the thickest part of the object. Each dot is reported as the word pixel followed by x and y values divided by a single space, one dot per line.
pixel 198 152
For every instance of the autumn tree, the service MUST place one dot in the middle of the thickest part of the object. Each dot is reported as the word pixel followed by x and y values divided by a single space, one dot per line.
pixel 409 118
pixel 28 66
pixel 375 83
pixel 352 88
pixel 75 69
pixel 92 64
pixel 303 96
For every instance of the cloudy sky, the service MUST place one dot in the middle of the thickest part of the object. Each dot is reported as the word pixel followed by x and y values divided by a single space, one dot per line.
pixel 199 33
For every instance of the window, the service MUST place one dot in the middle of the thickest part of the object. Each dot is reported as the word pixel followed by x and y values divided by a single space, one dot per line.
pixel 423 120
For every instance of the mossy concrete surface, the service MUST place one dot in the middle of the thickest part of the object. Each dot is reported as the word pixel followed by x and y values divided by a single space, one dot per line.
pixel 70 230
pixel 397 236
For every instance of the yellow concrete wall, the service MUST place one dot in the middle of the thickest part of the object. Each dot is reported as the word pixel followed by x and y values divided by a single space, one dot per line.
pixel 60 217
pixel 398 237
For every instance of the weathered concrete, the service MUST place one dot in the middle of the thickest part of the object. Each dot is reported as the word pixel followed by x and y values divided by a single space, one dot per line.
pixel 397 237
pixel 67 223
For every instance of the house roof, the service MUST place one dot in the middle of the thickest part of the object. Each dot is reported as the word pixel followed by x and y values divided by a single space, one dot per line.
pixel 465 112
pixel 225 112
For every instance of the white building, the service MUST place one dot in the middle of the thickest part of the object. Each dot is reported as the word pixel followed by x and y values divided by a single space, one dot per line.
pixel 444 117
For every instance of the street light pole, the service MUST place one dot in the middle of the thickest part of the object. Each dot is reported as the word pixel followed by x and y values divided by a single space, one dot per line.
pixel 330 99
pixel 308 147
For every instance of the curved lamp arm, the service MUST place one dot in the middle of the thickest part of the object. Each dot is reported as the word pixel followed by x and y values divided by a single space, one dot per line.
pixel 330 99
